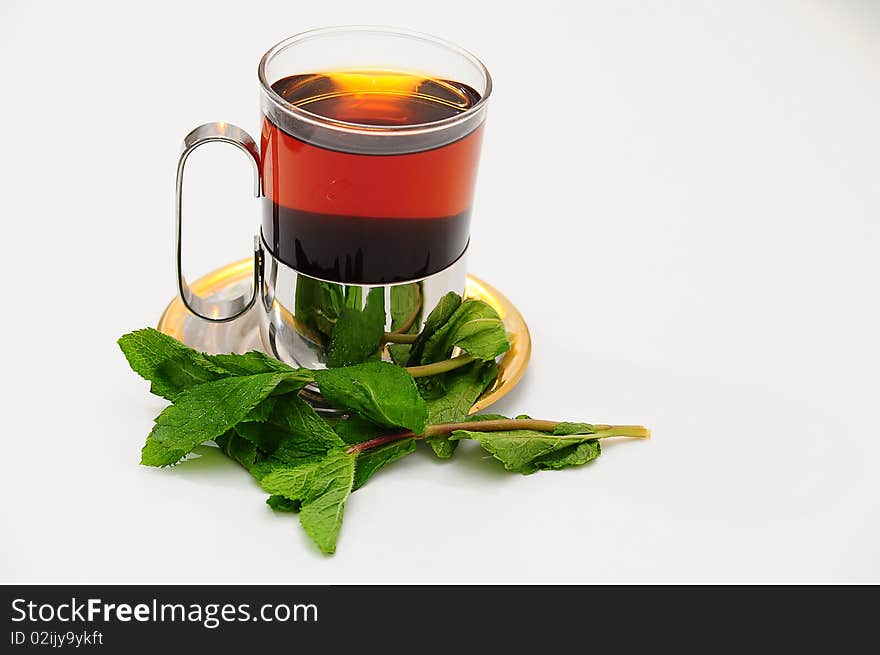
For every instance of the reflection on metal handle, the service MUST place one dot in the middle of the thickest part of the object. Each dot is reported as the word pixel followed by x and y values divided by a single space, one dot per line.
pixel 217 311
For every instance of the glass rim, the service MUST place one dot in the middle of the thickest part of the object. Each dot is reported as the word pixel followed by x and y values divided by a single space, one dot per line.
pixel 361 128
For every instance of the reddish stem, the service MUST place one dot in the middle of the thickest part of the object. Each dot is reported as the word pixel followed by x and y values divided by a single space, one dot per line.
pixel 379 441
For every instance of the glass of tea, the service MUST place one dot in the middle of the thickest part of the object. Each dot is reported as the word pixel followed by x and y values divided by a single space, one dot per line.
pixel 366 170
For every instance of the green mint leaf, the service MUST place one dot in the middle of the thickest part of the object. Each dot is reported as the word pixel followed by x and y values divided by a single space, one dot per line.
pixel 354 429
pixel 443 447
pixel 253 363
pixel 459 392
pixel 436 320
pixel 292 433
pixel 370 461
pixel 166 363
pixel 573 455
pixel 565 428
pixel 406 307
pixel 490 417
pixel 358 333
pixel 238 449
pixel 203 413
pixel 379 391
pixel 463 387
pixel 263 411
pixel 475 328
pixel 406 312
pixel 354 297
pixel 399 353
pixel 282 504
pixel 173 367
pixel 317 304
pixel 527 451
pixel 322 487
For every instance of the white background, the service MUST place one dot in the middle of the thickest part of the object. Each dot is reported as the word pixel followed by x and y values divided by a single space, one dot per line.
pixel 681 197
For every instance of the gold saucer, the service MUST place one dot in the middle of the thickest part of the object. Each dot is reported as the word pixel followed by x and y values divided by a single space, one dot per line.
pixel 243 334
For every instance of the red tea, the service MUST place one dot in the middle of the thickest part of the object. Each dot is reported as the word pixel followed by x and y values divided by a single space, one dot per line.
pixel 349 206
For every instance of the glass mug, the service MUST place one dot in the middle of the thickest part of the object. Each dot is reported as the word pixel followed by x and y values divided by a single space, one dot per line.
pixel 366 169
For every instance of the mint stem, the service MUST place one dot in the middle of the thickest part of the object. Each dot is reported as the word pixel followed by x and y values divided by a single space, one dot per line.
pixel 400 334
pixel 633 431
pixel 495 425
pixel 500 425
pixel 411 319
pixel 440 367
pixel 399 337
pixel 380 441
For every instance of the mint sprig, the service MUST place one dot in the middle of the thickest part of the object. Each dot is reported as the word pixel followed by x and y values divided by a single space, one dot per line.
pixel 357 333
pixel 249 405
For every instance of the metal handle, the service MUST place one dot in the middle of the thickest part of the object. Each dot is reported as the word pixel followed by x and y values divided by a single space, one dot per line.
pixel 216 311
